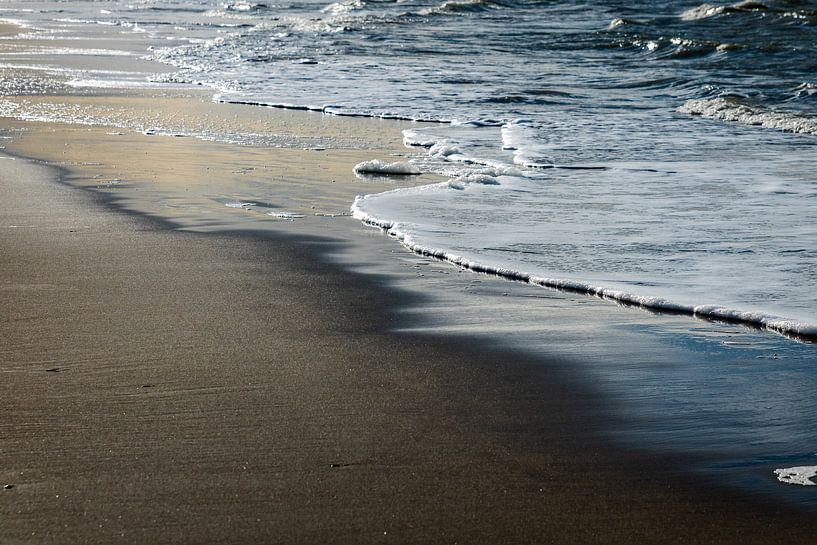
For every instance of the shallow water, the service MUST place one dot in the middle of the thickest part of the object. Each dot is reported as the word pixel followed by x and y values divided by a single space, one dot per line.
pixel 674 178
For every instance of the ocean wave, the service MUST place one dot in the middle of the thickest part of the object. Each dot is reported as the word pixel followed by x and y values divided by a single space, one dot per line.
pixel 245 6
pixel 790 328
pixel 460 182
pixel 806 89
pixel 735 110
pixel 343 7
pixel 459 6
pixel 238 10
pixel 621 21
pixel 705 11
pixel 677 47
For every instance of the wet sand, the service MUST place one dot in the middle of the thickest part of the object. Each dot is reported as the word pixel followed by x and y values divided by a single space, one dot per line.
pixel 178 371
pixel 178 387
pixel 305 170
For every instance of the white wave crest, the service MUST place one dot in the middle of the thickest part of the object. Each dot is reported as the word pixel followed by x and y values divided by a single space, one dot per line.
pixel 455 6
pixel 244 6
pixel 343 7
pixel 786 327
pixel 443 149
pixel 704 11
pixel 701 12
pixel 728 109
pixel 460 182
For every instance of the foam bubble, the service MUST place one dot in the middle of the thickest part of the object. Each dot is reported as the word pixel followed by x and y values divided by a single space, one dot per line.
pixel 703 11
pixel 461 181
pixel 244 6
pixel 801 475
pixel 443 149
pixel 285 215
pixel 121 84
pixel 376 166
pixel 417 139
pixel 343 7
pixel 733 110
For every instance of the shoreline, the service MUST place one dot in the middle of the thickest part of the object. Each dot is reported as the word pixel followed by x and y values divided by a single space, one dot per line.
pixel 786 327
pixel 193 371
pixel 348 430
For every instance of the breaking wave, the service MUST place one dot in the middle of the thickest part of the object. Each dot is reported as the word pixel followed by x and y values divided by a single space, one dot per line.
pixel 791 328
pixel 736 111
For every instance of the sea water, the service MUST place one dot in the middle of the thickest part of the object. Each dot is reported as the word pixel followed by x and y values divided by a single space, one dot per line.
pixel 660 154
pixel 657 153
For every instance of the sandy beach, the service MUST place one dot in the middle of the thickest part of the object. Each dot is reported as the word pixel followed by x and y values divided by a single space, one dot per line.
pixel 162 386
pixel 179 370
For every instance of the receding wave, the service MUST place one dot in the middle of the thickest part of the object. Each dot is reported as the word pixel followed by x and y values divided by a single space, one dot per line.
pixel 330 109
pixel 784 326
pixel 736 111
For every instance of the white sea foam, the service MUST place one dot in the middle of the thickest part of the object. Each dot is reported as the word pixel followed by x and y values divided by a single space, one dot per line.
pixel 443 149
pixel 244 6
pixel 517 138
pixel 733 110
pixel 419 139
pixel 122 84
pixel 461 181
pixel 704 11
pixel 343 7
pixel 801 475
pixel 376 166
pixel 701 12
pixel 411 236
pixel 285 215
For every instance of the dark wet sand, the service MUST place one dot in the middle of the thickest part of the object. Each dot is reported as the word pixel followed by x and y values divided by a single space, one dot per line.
pixel 168 387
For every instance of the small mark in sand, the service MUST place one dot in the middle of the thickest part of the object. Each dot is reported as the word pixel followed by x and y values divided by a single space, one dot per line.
pixel 8 487
pixel 147 386
pixel 56 370
pixel 349 464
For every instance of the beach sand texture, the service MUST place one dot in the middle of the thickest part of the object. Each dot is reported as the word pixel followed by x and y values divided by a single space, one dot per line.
pixel 161 386
pixel 228 383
